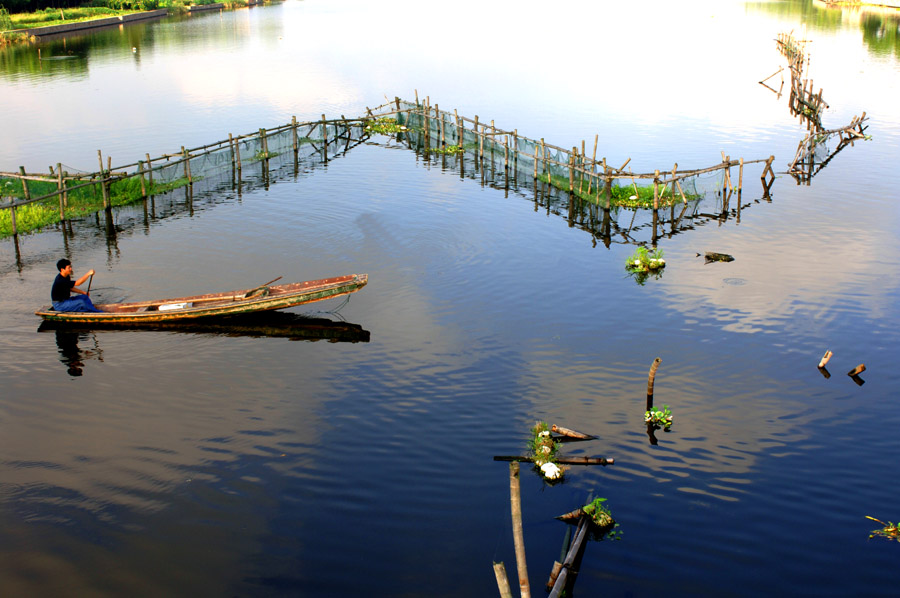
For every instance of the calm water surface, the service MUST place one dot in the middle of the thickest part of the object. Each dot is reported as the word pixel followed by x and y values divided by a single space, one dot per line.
pixel 292 457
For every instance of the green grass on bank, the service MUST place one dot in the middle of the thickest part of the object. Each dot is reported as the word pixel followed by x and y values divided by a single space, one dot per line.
pixel 61 16
pixel 96 9
pixel 81 202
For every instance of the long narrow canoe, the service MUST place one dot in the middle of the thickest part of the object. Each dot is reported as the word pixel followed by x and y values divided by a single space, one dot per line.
pixel 215 304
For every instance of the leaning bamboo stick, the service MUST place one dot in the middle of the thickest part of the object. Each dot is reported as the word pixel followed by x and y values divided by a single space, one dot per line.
pixel 515 501
pixel 502 580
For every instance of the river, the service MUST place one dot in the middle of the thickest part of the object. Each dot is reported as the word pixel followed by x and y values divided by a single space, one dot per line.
pixel 354 456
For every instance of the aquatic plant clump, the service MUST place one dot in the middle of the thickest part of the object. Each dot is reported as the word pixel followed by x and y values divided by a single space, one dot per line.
pixel 604 524
pixel 544 449
pixel 385 126
pixel 890 531
pixel 659 417
pixel 450 149
pixel 631 196
pixel 644 260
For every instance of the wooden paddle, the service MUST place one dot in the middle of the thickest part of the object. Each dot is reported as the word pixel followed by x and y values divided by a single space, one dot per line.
pixel 250 293
pixel 90 280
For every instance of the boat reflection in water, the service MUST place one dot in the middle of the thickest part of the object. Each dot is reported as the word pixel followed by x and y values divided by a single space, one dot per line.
pixel 274 324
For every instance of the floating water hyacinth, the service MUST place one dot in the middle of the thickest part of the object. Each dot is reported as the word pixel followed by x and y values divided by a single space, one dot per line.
pixel 891 531
pixel 551 471
pixel 643 260
pixel 659 417
pixel 544 450
pixel 385 126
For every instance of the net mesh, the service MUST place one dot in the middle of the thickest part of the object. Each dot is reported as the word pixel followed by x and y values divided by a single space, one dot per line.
pixel 532 168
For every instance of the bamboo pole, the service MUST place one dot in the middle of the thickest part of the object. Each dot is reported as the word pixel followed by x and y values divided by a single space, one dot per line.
pixel 264 142
pixel 237 156
pixel 572 170
pixel 502 580
pixel 60 185
pixel 656 190
pixel 143 181
pixel 439 114
pixel 65 189
pixel 857 370
pixel 325 139
pixel 25 190
pixel 294 140
pixel 149 171
pixel 651 379
pixel 577 544
pixel 560 460
pixel 477 138
pixel 12 218
pixel 187 165
pixel 535 162
pixel 515 501
pixel 593 162
pixel 506 153
pixel 583 154
pixel 102 183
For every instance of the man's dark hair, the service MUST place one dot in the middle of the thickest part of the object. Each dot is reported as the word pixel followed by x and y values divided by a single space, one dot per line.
pixel 62 264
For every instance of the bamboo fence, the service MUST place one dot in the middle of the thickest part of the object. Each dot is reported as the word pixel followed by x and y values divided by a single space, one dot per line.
pixel 439 130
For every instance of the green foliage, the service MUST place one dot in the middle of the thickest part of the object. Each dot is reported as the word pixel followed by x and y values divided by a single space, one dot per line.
pixel 450 149
pixel 385 126
pixel 544 451
pixel 644 260
pixel 890 531
pixel 81 202
pixel 605 525
pixel 630 196
pixel 661 418
pixel 51 16
pixel 5 20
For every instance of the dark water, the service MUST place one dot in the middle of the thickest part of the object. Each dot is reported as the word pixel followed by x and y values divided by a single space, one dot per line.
pixel 293 457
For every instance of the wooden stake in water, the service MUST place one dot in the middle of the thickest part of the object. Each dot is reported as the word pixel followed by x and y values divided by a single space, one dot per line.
pixel 502 580
pixel 103 182
pixel 143 183
pixel 149 171
pixel 187 165
pixel 25 190
pixel 515 501
pixel 651 379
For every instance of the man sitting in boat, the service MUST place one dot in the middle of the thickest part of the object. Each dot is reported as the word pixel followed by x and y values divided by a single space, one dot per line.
pixel 63 285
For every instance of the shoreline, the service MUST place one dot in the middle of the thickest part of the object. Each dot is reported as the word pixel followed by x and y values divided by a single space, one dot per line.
pixel 35 34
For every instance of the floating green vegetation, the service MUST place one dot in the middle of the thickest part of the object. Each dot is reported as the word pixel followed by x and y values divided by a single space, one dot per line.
pixel 544 450
pixel 81 202
pixel 262 155
pixel 644 260
pixel 385 126
pixel 661 418
pixel 889 531
pixel 605 525
pixel 450 149
pixel 631 196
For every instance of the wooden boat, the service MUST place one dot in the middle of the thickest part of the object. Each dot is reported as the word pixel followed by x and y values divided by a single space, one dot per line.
pixel 263 298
